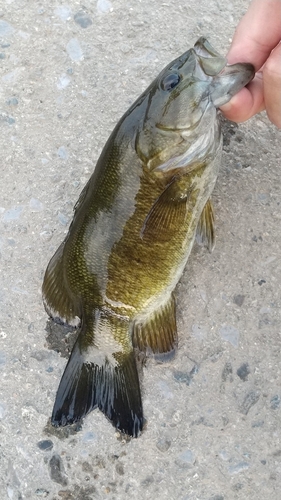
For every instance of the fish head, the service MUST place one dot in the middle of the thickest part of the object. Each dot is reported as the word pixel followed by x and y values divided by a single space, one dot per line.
pixel 181 102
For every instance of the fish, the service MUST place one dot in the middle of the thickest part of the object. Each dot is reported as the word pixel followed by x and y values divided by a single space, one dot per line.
pixel 134 225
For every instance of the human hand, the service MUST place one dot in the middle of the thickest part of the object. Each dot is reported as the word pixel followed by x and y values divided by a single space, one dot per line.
pixel 257 40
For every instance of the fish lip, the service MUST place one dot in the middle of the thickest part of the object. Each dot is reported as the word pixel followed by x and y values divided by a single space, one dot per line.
pixel 231 69
pixel 231 79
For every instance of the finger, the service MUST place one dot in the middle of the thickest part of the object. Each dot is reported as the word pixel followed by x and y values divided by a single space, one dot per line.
pixel 248 102
pixel 258 32
pixel 272 86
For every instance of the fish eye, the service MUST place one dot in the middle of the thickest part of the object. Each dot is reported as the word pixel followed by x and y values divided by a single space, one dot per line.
pixel 170 81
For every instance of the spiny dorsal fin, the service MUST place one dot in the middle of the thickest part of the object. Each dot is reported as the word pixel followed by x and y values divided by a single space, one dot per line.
pixel 205 234
pixel 157 335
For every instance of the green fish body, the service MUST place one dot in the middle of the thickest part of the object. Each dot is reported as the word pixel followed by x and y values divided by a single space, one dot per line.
pixel 132 232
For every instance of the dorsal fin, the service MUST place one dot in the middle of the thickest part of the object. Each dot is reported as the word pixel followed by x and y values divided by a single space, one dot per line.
pixel 57 298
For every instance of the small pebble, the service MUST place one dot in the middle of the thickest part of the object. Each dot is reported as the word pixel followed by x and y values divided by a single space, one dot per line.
pixel 186 459
pixel 250 400
pixel 83 19
pixel 41 492
pixel 46 235
pixel 89 437
pixel 13 213
pixel 182 377
pixel 147 481
pixel 5 28
pixel 241 466
pixel 12 101
pixel 163 444
pixel 230 334
pixel 104 6
pixel 63 82
pixel 63 12
pixel 238 299
pixel 227 372
pixel 165 390
pixel 275 402
pixel 119 469
pixel 264 198
pixel 63 219
pixel 7 119
pixel 40 355
pixel 74 50
pixel 12 76
pixel 62 153
pixel 36 205
pixel 45 445
pixel 57 472
pixel 243 371
pixel 258 423
pixel 186 377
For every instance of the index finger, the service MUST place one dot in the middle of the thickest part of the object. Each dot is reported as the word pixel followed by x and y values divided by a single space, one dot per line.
pixel 258 32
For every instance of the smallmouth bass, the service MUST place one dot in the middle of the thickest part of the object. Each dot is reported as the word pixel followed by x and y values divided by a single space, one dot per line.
pixel 133 229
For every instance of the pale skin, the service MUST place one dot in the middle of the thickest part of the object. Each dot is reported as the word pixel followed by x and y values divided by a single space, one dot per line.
pixel 258 40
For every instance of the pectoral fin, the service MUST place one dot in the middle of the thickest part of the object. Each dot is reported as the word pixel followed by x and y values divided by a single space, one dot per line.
pixel 167 214
pixel 205 234
pixel 157 335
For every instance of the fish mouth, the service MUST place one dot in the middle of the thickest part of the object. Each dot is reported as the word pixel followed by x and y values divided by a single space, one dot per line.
pixel 226 79
pixel 230 81
pixel 210 61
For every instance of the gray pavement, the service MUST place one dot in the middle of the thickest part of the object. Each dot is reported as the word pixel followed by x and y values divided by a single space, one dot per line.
pixel 68 72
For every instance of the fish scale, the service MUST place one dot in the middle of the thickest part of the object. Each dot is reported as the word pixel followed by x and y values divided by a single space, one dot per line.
pixel 133 228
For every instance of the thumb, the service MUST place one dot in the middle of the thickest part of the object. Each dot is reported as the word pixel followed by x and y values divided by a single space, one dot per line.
pixel 272 86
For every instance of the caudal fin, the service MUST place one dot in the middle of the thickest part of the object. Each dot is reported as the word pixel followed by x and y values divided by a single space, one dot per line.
pixel 94 380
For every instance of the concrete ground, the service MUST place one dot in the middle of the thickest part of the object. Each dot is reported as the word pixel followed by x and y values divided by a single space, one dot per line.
pixel 68 72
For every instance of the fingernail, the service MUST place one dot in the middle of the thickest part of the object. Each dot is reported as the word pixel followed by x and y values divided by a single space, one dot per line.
pixel 226 107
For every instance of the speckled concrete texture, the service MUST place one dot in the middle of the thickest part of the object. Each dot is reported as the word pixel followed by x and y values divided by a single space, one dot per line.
pixel 68 72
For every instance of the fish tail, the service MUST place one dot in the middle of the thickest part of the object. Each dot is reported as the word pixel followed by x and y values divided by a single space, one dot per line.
pixel 95 379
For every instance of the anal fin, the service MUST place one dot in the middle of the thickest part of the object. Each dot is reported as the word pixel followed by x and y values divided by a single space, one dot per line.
pixel 205 234
pixel 157 335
